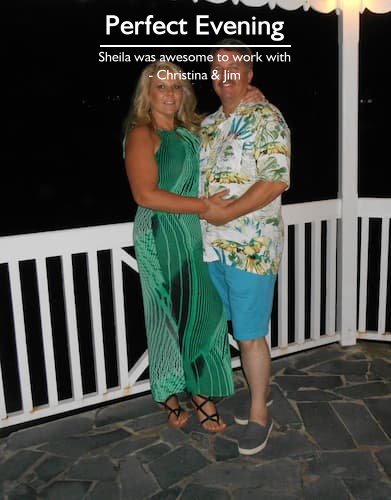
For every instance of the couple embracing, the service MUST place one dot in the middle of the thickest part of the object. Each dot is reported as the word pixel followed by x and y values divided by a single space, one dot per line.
pixel 208 235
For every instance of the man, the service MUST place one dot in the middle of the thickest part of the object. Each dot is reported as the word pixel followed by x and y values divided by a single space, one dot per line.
pixel 245 148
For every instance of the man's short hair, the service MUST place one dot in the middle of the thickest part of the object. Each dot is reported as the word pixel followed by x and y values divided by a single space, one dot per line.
pixel 240 47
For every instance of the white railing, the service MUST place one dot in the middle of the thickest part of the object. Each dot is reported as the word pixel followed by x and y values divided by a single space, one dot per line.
pixel 302 254
pixel 375 214
pixel 65 244
pixel 307 282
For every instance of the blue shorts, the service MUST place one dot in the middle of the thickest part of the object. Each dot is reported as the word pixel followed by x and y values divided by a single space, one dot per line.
pixel 247 298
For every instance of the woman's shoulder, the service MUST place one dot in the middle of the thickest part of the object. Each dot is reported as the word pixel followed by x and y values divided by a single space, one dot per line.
pixel 141 131
pixel 142 136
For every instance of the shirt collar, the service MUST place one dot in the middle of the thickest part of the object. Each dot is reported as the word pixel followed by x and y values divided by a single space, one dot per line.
pixel 221 116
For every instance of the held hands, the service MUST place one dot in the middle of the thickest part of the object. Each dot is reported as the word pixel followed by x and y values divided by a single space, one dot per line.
pixel 253 96
pixel 216 212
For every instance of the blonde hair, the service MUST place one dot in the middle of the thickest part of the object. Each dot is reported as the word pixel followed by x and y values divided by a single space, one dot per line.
pixel 140 110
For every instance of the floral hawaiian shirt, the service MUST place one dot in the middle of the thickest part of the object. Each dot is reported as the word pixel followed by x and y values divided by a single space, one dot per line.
pixel 250 145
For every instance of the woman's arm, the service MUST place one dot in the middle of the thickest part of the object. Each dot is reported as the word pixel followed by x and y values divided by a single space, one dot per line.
pixel 257 196
pixel 142 173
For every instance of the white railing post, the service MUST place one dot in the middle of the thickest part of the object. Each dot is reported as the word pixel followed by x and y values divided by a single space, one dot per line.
pixel 348 160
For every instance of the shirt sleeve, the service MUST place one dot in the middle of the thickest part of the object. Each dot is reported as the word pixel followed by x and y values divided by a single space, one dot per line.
pixel 272 146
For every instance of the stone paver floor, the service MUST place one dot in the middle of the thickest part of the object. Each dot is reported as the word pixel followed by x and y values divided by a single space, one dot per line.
pixel 331 440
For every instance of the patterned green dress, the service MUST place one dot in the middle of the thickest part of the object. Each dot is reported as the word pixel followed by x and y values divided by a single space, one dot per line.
pixel 185 322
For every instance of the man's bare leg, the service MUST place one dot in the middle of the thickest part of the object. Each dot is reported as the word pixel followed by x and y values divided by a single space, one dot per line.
pixel 256 365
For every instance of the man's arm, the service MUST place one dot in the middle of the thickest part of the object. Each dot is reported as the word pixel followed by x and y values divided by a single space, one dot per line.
pixel 272 153
pixel 257 196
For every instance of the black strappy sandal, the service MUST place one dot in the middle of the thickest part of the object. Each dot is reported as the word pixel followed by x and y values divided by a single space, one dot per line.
pixel 176 411
pixel 214 417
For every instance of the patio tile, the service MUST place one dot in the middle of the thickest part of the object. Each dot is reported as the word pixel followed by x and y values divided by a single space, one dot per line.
pixel 65 490
pixel 76 446
pixel 321 422
pixel 384 458
pixel 193 425
pixel 291 444
pixel 357 356
pixel 108 490
pixel 368 490
pixel 280 474
pixel 239 381
pixel 262 494
pixel 316 356
pixel 312 395
pixel 200 440
pixel 361 391
pixel 294 382
pixel 93 469
pixel 342 367
pixel 203 465
pixel 345 464
pixel 22 492
pixel 225 449
pixel 174 436
pixel 326 488
pixel 148 422
pixel 361 425
pixel 239 399
pixel 136 483
pixel 234 431
pixel 197 491
pixel 293 371
pixel 358 379
pixel 281 409
pixel 18 464
pixel 375 349
pixel 232 475
pixel 59 429
pixel 170 494
pixel 152 452
pixel 177 465
pixel 381 410
pixel 52 466
pixel 126 410
pixel 381 368
pixel 281 363
pixel 372 377
pixel 131 445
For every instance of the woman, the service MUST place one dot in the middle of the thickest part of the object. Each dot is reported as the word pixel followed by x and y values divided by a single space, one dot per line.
pixel 185 322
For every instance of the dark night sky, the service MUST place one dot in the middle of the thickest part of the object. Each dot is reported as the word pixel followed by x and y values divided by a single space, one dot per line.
pixel 63 163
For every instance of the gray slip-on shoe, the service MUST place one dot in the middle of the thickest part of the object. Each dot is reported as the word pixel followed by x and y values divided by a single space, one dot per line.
pixel 242 413
pixel 254 438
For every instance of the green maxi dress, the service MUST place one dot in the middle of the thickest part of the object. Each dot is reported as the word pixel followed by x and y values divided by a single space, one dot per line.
pixel 185 323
